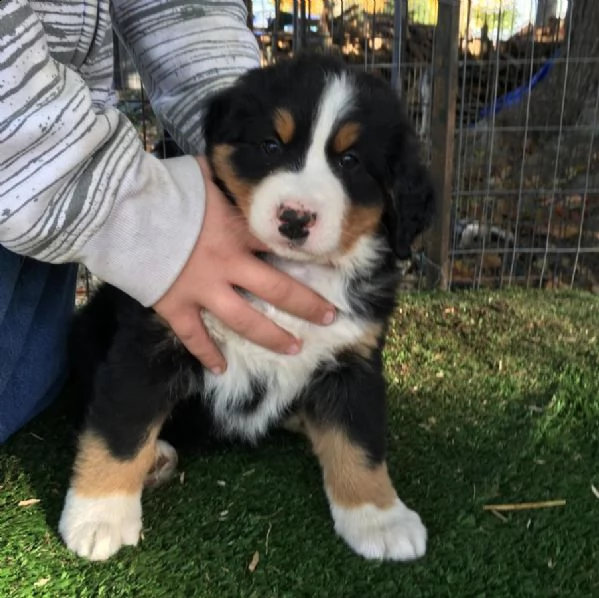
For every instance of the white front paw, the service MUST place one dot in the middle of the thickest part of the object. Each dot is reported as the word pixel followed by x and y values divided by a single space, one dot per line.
pixel 95 528
pixel 396 533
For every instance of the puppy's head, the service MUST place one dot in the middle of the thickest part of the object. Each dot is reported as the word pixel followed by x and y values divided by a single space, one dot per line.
pixel 319 159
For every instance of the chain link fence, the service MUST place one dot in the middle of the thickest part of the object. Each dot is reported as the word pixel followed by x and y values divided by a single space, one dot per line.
pixel 504 95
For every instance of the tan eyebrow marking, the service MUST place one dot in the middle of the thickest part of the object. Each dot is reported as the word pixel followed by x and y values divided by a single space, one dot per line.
pixel 346 136
pixel 284 124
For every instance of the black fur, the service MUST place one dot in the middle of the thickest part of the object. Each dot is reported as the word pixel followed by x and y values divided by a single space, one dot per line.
pixel 351 397
pixel 389 170
pixel 140 373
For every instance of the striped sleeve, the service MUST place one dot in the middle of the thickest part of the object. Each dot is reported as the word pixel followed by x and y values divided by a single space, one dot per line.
pixel 185 50
pixel 75 183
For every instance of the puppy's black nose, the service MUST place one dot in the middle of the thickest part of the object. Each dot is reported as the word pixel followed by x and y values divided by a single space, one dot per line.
pixel 295 223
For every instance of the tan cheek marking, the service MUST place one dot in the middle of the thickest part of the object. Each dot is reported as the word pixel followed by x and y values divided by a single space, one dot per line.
pixel 284 124
pixel 349 479
pixel 98 473
pixel 223 168
pixel 359 221
pixel 346 136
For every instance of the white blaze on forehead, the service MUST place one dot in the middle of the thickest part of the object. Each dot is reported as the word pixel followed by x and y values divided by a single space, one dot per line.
pixel 315 187
pixel 336 101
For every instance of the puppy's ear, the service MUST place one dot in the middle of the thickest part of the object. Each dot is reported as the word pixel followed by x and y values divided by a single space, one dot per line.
pixel 413 199
pixel 218 111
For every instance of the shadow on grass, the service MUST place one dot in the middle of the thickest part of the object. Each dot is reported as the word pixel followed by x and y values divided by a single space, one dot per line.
pixel 44 451
pixel 446 470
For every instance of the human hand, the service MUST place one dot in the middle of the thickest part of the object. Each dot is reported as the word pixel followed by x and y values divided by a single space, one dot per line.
pixel 221 259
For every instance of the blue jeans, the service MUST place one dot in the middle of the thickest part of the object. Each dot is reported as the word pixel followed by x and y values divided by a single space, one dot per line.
pixel 36 304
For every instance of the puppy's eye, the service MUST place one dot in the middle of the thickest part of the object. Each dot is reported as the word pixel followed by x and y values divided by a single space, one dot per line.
pixel 271 147
pixel 347 161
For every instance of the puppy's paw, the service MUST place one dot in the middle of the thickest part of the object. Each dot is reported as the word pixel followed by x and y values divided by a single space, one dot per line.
pixel 95 528
pixel 165 465
pixel 295 424
pixel 396 533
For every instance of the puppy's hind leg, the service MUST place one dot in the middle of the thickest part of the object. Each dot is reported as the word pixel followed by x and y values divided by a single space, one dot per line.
pixel 164 466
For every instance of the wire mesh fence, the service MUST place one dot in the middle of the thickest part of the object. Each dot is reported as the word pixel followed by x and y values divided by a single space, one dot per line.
pixel 524 198
pixel 504 95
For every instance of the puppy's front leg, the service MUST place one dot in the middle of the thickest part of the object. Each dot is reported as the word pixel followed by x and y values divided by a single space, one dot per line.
pixel 116 451
pixel 102 510
pixel 344 418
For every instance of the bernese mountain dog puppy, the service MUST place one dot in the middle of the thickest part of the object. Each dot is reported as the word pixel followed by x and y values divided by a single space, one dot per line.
pixel 324 164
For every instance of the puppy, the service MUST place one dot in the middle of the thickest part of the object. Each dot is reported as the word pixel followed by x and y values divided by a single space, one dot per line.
pixel 324 165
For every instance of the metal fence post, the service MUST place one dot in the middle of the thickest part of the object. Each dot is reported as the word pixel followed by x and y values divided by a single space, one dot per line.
pixel 398 43
pixel 443 120
pixel 296 37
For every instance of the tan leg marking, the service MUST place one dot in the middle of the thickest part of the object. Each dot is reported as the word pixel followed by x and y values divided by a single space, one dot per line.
pixel 348 477
pixel 98 473
pixel 284 124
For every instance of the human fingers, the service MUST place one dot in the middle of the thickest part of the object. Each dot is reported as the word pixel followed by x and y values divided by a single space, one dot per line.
pixel 190 330
pixel 283 291
pixel 236 312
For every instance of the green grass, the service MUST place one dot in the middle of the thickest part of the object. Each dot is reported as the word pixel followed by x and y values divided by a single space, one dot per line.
pixel 493 398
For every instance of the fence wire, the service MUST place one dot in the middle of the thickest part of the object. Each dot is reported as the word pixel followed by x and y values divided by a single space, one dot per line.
pixel 524 197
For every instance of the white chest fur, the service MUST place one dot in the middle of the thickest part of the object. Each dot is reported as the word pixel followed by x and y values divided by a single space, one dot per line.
pixel 280 377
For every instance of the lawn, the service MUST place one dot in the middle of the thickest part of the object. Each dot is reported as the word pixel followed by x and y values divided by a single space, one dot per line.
pixel 494 398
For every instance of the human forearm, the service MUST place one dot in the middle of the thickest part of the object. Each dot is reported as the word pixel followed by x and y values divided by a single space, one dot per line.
pixel 76 184
pixel 186 54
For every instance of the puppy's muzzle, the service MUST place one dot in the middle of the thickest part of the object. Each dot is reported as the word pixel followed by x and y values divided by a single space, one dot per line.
pixel 295 222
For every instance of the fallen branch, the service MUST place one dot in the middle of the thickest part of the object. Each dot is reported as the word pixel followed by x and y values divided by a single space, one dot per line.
pixel 545 504
pixel 29 502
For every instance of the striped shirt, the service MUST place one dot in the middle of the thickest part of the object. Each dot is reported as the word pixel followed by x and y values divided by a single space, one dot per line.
pixel 75 182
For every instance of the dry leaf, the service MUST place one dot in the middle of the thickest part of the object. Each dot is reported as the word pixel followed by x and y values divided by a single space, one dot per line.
pixel 594 491
pixel 461 268
pixel 29 502
pixel 574 201
pixel 254 562
pixel 41 582
pixel 492 261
